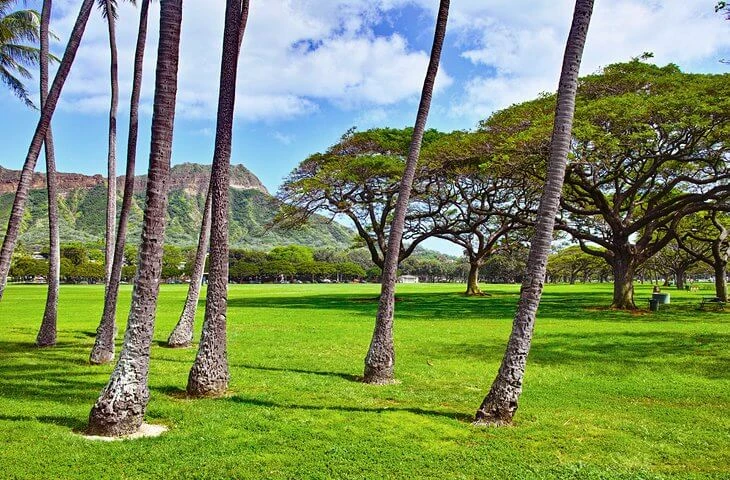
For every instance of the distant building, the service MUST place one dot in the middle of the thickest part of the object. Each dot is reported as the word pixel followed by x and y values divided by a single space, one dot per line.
pixel 408 279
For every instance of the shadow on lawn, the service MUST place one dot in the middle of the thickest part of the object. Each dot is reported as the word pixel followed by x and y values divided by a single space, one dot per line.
pixel 700 353
pixel 461 417
pixel 345 376
pixel 74 424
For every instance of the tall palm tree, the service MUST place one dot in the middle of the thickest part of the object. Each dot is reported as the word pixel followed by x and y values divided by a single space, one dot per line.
pixel 123 401
pixel 500 405
pixel 26 174
pixel 103 350
pixel 209 373
pixel 380 360
pixel 17 30
pixel 47 333
pixel 182 334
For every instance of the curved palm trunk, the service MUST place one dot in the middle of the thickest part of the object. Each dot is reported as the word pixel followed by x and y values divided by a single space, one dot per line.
pixel 47 332
pixel 122 403
pixel 182 334
pixel 209 373
pixel 21 193
pixel 380 360
pixel 111 203
pixel 106 332
pixel 499 406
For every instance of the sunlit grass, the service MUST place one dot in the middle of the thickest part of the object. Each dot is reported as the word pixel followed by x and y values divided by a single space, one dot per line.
pixel 607 395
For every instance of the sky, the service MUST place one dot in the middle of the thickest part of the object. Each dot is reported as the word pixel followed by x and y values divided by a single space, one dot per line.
pixel 311 69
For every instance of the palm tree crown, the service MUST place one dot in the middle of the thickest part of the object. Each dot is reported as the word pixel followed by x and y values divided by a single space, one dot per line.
pixel 19 32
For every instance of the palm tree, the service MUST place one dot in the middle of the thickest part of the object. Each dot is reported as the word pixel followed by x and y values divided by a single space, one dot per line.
pixel 209 373
pixel 103 351
pixel 123 401
pixel 47 333
pixel 182 334
pixel 21 194
pixel 109 12
pixel 500 405
pixel 17 29
pixel 380 360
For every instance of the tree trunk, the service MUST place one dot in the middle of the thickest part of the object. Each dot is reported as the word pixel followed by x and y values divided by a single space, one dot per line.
pixel 111 204
pixel 472 283
pixel 721 281
pixel 47 332
pixel 681 279
pixel 122 403
pixel 182 334
pixel 380 359
pixel 21 193
pixel 106 332
pixel 209 373
pixel 623 283
pixel 500 405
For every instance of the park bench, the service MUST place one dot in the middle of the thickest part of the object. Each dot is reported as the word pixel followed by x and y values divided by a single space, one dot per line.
pixel 712 302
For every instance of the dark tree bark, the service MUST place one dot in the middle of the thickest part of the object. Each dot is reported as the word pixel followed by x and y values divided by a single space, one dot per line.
pixel 721 281
pixel 47 332
pixel 111 204
pixel 623 283
pixel 380 359
pixel 500 405
pixel 106 332
pixel 121 406
pixel 182 334
pixel 21 193
pixel 209 374
pixel 680 277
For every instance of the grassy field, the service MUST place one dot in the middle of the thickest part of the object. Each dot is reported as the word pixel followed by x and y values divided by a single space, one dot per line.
pixel 607 395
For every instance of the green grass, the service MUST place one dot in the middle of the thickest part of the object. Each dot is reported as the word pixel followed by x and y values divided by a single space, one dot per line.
pixel 607 394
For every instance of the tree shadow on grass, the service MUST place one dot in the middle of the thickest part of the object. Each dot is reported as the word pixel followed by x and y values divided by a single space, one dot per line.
pixel 346 376
pixel 458 416
pixel 75 424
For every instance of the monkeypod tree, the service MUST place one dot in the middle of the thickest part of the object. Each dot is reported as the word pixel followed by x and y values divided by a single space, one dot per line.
pixel 706 237
pixel 359 178
pixel 572 263
pixel 649 147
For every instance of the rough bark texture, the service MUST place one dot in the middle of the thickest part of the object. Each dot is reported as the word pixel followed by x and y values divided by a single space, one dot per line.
pixel 47 332
pixel 26 175
pixel 500 405
pixel 380 359
pixel 182 334
pixel 111 191
pixel 106 332
pixel 122 403
pixel 623 283
pixel 721 282
pixel 472 282
pixel 209 373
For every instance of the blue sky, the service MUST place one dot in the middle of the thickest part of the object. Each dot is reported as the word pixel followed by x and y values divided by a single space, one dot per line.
pixel 311 69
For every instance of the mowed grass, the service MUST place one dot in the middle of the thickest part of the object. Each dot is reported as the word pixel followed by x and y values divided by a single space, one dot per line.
pixel 607 394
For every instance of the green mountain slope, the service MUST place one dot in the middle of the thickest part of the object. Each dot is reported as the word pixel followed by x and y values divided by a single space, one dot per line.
pixel 82 211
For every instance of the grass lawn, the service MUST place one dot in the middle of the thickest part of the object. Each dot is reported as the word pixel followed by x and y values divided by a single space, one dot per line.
pixel 607 394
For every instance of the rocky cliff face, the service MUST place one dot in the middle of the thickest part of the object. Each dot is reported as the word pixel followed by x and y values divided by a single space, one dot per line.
pixel 190 177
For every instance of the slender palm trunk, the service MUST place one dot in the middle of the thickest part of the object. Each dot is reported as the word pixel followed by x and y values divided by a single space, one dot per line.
pixel 380 360
pixel 209 373
pixel 182 334
pixel 106 332
pixel 21 194
pixel 111 194
pixel 500 405
pixel 121 406
pixel 47 332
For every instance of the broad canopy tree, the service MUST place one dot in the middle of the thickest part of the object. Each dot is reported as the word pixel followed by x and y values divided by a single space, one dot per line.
pixel 648 148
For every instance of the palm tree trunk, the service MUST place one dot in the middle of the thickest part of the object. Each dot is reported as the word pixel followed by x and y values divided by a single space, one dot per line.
pixel 380 360
pixel 47 332
pixel 499 406
pixel 106 332
pixel 122 403
pixel 182 334
pixel 209 373
pixel 111 203
pixel 21 194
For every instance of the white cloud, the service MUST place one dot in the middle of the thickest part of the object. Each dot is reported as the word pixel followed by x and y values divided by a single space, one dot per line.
pixel 295 56
pixel 283 138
